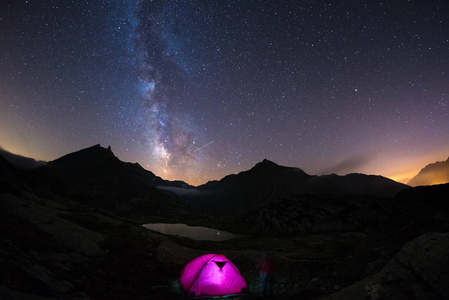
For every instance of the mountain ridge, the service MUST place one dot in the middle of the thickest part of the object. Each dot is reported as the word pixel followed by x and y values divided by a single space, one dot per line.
pixel 97 166
pixel 101 153
pixel 267 181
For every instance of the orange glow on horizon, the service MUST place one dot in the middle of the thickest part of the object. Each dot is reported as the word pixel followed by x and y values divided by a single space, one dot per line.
pixel 402 178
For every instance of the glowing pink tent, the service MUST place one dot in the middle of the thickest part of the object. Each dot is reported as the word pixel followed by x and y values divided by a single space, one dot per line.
pixel 211 275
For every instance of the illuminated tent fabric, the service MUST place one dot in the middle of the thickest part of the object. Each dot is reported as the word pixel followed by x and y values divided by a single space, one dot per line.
pixel 211 275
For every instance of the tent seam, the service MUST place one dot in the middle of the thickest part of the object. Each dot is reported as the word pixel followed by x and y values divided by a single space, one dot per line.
pixel 198 274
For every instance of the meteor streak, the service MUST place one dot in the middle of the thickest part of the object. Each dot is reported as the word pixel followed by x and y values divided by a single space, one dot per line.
pixel 203 146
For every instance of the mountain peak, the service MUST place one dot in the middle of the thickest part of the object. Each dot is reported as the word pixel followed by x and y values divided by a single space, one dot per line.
pixel 85 157
pixel 269 166
pixel 265 166
pixel 267 162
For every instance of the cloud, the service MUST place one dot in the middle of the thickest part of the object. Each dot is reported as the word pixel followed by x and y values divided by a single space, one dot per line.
pixel 183 191
pixel 350 165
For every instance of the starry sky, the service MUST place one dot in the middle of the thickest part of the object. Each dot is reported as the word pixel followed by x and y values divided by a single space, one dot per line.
pixel 196 90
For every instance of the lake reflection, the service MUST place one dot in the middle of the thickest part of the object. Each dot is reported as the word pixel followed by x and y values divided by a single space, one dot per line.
pixel 194 232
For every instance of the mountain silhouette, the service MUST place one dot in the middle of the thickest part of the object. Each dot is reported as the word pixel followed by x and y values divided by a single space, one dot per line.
pixel 21 162
pixel 10 177
pixel 96 177
pixel 267 181
pixel 96 159
pixel 435 173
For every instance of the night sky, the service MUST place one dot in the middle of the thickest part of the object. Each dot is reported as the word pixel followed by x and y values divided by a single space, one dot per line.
pixel 196 90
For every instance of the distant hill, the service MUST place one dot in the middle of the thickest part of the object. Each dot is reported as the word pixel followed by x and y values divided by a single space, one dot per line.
pixel 435 173
pixel 268 181
pixel 21 162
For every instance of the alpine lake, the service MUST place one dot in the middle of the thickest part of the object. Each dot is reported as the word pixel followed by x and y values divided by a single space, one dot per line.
pixel 194 232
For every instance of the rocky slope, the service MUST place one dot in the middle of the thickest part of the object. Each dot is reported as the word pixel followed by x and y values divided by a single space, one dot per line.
pixel 414 211
pixel 315 213
pixel 417 271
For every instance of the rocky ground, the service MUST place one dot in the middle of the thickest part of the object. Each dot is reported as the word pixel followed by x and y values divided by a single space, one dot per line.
pixel 51 250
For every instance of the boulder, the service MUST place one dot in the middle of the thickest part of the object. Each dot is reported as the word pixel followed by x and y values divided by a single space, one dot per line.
pixel 418 271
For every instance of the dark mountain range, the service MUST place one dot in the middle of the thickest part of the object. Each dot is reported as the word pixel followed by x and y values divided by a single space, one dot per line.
pixel 435 173
pixel 91 174
pixel 268 181
pixel 96 177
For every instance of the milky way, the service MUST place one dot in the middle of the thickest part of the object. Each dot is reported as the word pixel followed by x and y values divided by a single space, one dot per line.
pixel 195 90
